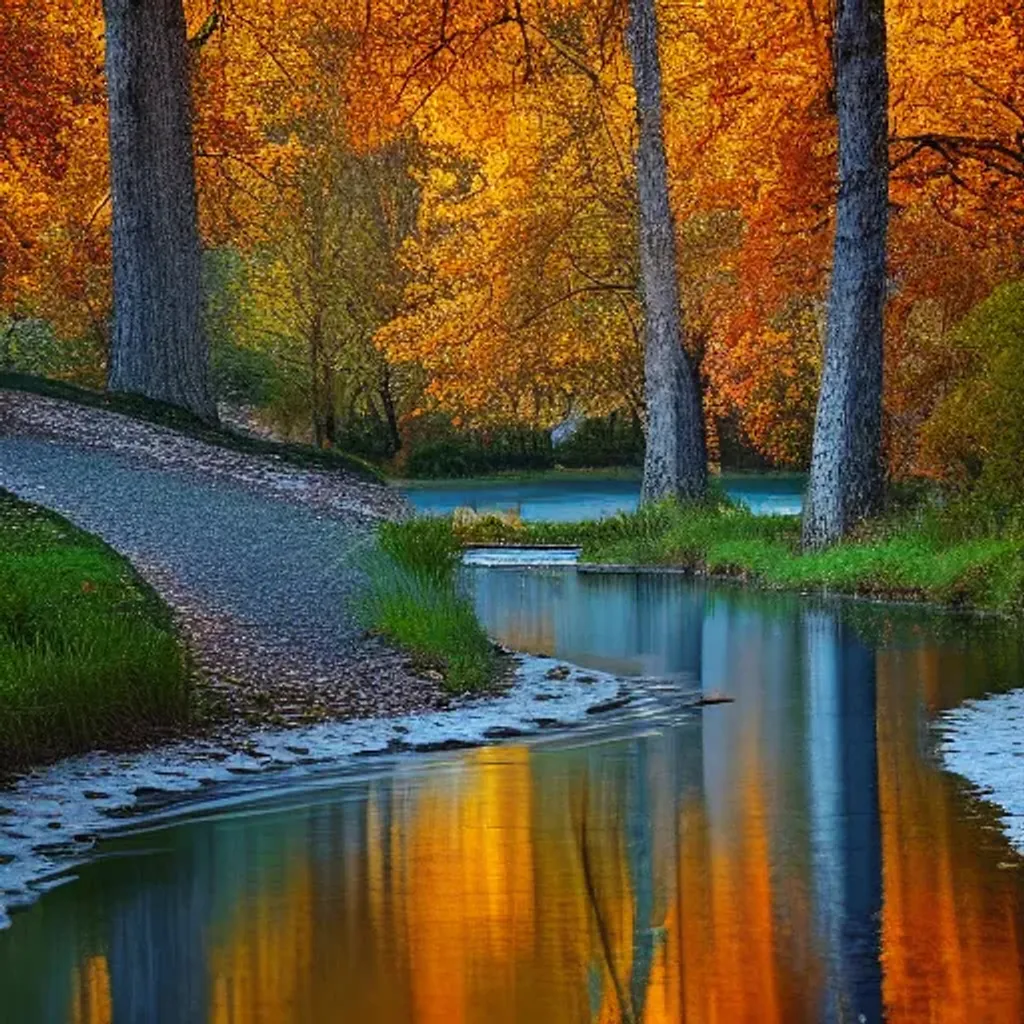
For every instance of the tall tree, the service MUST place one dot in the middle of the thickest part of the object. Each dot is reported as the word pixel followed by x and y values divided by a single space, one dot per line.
pixel 846 461
pixel 676 461
pixel 158 348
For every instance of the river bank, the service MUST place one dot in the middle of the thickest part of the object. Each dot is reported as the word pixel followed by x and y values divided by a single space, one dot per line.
pixel 89 655
pixel 952 556
pixel 251 554
pixel 52 817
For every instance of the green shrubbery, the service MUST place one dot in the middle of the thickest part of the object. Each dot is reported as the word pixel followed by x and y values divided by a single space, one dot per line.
pixel 598 443
pixel 975 437
pixel 88 656
pixel 476 455
pixel 438 450
pixel 412 597
pixel 962 553
pixel 31 346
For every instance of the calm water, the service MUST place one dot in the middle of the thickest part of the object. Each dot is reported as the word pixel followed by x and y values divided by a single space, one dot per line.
pixel 794 856
pixel 565 499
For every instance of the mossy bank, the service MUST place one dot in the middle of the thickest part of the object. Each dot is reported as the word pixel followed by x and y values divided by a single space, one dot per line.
pixel 89 657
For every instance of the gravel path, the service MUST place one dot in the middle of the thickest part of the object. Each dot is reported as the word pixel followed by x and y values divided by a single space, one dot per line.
pixel 254 557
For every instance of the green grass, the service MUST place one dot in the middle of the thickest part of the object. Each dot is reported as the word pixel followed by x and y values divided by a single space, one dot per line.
pixel 88 655
pixel 958 555
pixel 412 598
pixel 164 415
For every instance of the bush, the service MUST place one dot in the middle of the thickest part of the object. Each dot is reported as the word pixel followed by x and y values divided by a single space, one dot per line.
pixel 442 451
pixel 600 443
pixel 244 375
pixel 31 346
pixel 470 456
pixel 975 437
pixel 412 597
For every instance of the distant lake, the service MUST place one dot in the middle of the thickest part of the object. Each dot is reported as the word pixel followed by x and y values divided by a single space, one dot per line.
pixel 563 498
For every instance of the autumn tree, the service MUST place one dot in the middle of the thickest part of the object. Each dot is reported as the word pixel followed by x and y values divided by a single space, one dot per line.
pixel 675 464
pixel 846 464
pixel 54 244
pixel 521 279
pixel 326 277
pixel 522 305
pixel 312 213
pixel 539 40
pixel 158 348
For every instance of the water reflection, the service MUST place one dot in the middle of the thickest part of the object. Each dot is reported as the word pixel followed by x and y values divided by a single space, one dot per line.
pixel 795 856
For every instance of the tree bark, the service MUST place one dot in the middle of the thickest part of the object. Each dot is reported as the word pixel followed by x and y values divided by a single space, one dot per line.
pixel 846 463
pixel 316 361
pixel 390 412
pixel 676 461
pixel 158 347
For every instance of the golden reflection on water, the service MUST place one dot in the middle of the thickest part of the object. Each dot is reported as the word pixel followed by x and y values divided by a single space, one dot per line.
pixel 501 890
pixel 951 932
pixel 90 988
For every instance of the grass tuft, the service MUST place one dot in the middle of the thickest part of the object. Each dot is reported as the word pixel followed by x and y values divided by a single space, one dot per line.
pixel 412 597
pixel 88 655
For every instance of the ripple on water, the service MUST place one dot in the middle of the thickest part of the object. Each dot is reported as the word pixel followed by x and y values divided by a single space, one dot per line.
pixel 51 818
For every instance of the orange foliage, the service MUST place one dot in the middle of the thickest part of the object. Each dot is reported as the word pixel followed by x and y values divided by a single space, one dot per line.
pixel 521 303
pixel 52 165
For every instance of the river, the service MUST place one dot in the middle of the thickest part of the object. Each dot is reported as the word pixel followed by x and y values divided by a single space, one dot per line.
pixel 795 855
pixel 566 497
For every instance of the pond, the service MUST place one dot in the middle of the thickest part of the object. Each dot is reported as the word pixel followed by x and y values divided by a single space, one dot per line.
pixel 795 855
pixel 566 497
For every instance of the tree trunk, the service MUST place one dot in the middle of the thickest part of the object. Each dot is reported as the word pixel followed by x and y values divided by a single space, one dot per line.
pixel 846 463
pixel 390 412
pixel 330 409
pixel 158 347
pixel 316 345
pixel 676 462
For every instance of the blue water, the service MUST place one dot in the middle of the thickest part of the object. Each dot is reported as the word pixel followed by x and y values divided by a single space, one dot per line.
pixel 796 856
pixel 561 499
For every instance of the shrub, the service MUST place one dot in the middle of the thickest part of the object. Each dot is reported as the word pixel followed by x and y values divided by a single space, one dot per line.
pixel 470 456
pixel 244 375
pixel 603 442
pixel 976 434
pixel 412 597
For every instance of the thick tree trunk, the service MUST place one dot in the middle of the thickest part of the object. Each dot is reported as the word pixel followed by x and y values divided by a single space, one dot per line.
pixel 846 464
pixel 158 348
pixel 676 461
